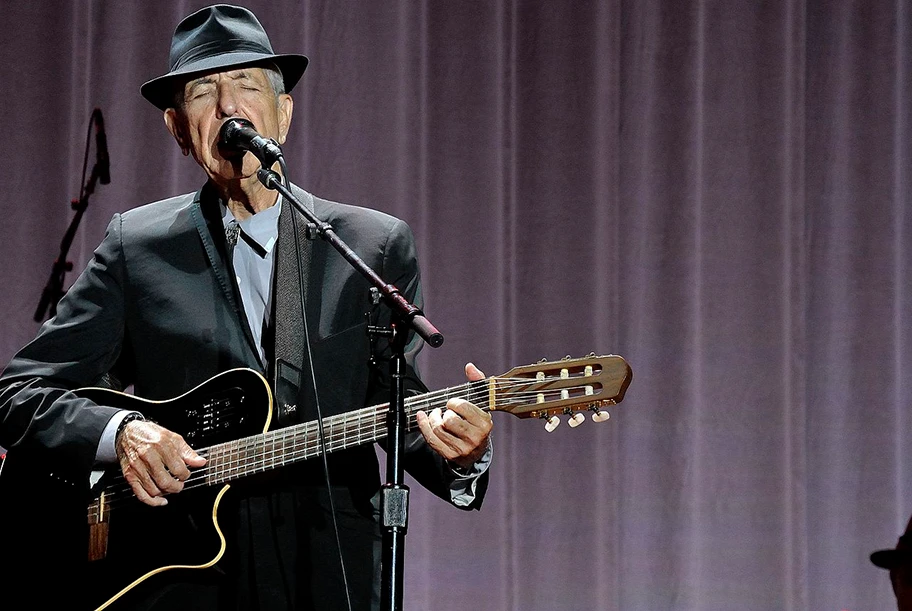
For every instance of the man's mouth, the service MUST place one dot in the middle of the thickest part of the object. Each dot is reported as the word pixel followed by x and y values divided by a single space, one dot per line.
pixel 230 153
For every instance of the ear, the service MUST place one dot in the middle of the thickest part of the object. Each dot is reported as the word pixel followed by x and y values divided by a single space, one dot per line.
pixel 177 126
pixel 286 109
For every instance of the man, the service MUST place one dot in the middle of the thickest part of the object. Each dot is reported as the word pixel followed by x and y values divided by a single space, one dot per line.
pixel 169 301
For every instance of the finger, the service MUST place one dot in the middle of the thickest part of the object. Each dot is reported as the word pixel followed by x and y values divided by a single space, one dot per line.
pixel 172 459
pixel 142 495
pixel 159 469
pixel 141 483
pixel 430 433
pixel 473 373
pixel 456 432
pixel 190 456
pixel 430 424
pixel 455 425
pixel 470 412
pixel 469 440
pixel 424 424
pixel 182 456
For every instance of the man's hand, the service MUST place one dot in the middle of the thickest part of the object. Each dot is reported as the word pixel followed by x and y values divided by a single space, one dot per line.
pixel 460 434
pixel 154 461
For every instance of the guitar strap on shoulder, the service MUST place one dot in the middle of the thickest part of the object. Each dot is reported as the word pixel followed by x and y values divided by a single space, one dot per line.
pixel 289 291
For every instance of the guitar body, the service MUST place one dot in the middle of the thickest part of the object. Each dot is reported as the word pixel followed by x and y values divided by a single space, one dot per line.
pixel 139 539
pixel 233 404
pixel 136 549
pixel 43 543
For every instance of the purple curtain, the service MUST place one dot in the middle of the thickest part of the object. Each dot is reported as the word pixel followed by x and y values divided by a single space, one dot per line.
pixel 714 190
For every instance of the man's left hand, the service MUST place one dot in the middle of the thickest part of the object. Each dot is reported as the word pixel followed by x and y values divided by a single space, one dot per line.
pixel 459 434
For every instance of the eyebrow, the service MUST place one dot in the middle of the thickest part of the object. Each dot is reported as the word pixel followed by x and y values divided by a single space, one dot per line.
pixel 208 80
pixel 204 80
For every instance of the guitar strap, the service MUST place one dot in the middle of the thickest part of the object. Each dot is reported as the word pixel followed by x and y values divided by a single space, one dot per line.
pixel 288 362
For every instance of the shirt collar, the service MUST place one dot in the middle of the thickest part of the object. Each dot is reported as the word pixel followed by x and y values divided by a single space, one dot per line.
pixel 261 228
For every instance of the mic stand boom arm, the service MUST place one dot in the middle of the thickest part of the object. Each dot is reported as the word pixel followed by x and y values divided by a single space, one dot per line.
pixel 408 312
pixel 394 507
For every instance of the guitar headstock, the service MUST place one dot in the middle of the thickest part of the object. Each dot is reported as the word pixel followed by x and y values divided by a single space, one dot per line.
pixel 569 386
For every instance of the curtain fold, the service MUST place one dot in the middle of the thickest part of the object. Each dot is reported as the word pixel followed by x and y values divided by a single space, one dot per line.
pixel 715 190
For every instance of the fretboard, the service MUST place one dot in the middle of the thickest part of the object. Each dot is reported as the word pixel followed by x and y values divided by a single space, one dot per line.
pixel 264 452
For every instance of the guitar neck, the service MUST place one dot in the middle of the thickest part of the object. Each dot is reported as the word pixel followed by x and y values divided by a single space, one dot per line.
pixel 259 453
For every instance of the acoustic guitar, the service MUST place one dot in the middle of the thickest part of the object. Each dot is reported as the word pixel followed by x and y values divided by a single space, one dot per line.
pixel 227 421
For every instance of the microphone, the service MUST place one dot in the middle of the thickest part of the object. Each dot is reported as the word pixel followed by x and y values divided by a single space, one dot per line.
pixel 240 135
pixel 101 149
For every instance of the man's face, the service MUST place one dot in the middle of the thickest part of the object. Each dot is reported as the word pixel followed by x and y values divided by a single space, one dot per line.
pixel 212 99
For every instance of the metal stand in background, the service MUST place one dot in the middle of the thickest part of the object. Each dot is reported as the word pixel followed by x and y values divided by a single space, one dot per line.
pixel 53 290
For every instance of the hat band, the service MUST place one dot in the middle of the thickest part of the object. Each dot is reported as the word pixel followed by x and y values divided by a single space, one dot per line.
pixel 218 47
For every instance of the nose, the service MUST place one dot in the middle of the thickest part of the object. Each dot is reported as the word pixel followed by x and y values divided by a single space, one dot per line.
pixel 227 101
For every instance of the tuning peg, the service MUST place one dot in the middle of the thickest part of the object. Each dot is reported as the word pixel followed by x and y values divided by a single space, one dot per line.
pixel 543 360
pixel 576 419
pixel 552 423
pixel 566 358
pixel 600 416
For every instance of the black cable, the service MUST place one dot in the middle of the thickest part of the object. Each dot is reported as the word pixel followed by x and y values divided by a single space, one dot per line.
pixel 313 380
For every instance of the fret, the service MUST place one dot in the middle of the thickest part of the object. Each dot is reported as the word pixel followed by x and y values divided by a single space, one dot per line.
pixel 253 453
pixel 213 461
pixel 272 452
pixel 533 391
pixel 259 453
pixel 344 436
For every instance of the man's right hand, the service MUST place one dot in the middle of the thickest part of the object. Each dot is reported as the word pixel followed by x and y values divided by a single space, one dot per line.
pixel 154 461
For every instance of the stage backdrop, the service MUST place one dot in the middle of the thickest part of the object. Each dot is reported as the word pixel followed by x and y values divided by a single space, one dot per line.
pixel 716 190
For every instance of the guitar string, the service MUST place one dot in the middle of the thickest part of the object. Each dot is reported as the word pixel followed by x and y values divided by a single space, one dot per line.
pixel 303 436
pixel 369 421
pixel 305 441
pixel 304 446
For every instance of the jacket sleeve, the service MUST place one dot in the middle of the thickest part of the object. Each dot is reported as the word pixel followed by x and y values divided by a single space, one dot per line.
pixel 38 412
pixel 431 470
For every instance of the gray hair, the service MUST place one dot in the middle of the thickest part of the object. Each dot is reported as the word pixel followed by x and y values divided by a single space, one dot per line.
pixel 275 78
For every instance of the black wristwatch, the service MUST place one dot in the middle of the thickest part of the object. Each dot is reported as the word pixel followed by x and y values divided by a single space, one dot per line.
pixel 131 417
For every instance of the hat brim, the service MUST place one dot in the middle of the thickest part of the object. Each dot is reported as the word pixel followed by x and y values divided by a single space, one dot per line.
pixel 891 558
pixel 160 91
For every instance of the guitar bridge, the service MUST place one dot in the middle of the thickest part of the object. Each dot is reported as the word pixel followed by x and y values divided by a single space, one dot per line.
pixel 99 520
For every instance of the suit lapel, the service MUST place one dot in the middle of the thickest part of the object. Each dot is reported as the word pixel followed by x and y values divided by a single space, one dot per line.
pixel 207 218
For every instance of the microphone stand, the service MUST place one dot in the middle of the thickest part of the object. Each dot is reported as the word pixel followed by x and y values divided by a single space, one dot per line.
pixel 405 316
pixel 53 290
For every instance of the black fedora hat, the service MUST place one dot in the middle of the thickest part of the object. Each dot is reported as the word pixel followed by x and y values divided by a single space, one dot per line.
pixel 902 554
pixel 218 37
pixel 891 558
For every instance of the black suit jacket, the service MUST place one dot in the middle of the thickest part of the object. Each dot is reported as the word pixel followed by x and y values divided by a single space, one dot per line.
pixel 158 307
